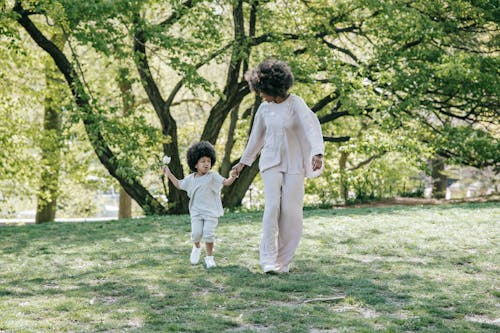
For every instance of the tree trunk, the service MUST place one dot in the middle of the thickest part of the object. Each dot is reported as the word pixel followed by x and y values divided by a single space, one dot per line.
pixel 128 104
pixel 439 179
pixel 234 194
pixel 344 189
pixel 125 207
pixel 51 140
pixel 226 166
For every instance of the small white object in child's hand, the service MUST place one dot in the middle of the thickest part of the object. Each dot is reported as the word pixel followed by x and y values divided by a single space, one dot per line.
pixel 166 159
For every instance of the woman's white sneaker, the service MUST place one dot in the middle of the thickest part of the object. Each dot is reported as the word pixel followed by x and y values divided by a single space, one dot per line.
pixel 269 269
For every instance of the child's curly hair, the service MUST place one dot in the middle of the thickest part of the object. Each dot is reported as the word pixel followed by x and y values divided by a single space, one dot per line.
pixel 272 77
pixel 199 150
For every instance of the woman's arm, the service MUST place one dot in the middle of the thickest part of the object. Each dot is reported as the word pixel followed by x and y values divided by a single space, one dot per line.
pixel 312 128
pixel 255 141
pixel 312 131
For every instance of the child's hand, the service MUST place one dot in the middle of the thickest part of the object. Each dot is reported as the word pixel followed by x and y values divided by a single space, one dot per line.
pixel 166 170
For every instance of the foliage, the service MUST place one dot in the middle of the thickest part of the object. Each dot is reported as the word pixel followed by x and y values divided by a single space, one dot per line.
pixel 415 73
pixel 356 270
pixel 466 143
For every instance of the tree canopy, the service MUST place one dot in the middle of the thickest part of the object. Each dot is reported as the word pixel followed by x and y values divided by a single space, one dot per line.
pixel 422 73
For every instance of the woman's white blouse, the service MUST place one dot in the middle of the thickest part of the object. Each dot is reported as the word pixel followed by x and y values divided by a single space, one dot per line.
pixel 287 135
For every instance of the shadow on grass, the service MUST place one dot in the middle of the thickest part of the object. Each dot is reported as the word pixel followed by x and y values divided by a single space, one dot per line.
pixel 137 279
pixel 353 211
pixel 191 298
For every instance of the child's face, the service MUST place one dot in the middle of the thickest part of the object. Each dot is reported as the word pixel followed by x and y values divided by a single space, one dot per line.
pixel 203 165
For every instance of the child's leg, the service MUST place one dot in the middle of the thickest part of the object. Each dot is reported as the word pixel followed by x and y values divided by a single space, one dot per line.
pixel 209 235
pixel 196 234
pixel 196 230
pixel 209 226
pixel 210 248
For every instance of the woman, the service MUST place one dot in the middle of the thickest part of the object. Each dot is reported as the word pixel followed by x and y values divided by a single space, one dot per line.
pixel 287 134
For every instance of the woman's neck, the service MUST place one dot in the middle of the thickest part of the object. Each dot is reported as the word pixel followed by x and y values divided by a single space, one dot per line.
pixel 280 99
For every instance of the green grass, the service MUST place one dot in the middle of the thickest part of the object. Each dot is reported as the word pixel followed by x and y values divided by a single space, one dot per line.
pixel 397 269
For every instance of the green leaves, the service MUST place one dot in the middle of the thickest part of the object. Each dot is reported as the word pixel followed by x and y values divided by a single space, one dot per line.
pixel 403 74
pixel 470 146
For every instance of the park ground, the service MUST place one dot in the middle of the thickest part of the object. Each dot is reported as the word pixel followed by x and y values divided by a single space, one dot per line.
pixel 372 269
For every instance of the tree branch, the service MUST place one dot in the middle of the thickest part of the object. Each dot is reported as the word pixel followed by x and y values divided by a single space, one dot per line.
pixel 367 161
pixel 336 139
pixel 176 15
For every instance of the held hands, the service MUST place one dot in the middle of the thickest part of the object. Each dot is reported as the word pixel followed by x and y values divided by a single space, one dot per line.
pixel 317 162
pixel 237 169
pixel 232 178
pixel 234 174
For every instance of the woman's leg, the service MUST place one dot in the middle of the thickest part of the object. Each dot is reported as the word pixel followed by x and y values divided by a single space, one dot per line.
pixel 273 180
pixel 290 220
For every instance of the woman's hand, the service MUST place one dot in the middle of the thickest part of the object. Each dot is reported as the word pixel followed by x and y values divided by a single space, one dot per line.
pixel 237 168
pixel 317 162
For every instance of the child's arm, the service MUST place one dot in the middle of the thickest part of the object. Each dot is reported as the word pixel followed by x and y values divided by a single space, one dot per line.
pixel 231 179
pixel 170 176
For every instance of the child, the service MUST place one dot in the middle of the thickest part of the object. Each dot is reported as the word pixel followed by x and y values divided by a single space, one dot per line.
pixel 203 188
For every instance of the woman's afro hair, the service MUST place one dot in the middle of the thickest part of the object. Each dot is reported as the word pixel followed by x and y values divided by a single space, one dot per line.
pixel 272 77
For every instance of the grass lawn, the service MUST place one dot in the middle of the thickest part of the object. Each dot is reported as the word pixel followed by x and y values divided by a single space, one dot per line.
pixel 396 269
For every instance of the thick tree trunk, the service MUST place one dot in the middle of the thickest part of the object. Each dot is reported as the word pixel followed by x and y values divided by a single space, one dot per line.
pixel 234 194
pixel 51 142
pixel 439 179
pixel 226 166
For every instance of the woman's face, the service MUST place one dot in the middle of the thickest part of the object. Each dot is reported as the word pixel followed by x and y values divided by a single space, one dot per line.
pixel 266 97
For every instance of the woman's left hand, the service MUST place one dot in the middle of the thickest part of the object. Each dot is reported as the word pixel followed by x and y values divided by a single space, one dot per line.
pixel 317 162
pixel 238 167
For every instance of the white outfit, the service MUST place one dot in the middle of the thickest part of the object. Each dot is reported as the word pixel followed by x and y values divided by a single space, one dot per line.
pixel 205 205
pixel 287 135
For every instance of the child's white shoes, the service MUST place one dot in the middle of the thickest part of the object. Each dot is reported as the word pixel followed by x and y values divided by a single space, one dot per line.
pixel 210 262
pixel 195 255
pixel 195 258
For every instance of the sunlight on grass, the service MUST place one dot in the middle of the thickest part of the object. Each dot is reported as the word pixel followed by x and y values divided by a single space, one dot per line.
pixel 395 269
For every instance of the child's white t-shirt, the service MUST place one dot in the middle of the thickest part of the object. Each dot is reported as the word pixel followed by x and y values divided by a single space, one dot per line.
pixel 204 193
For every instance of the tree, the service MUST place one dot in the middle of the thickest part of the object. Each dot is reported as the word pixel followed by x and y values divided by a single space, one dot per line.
pixel 417 67
pixel 51 140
